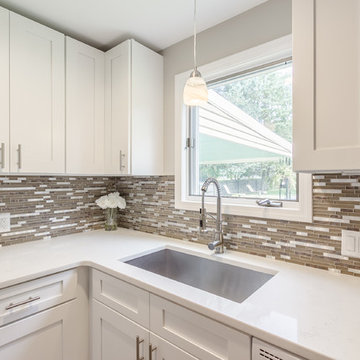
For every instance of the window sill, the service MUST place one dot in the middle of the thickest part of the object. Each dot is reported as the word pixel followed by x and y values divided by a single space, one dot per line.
pixel 286 213
pixel 300 211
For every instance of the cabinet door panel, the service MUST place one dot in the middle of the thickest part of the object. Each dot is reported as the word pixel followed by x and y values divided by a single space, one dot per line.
pixel 4 90
pixel 45 336
pixel 326 54
pixel 37 97
pixel 118 109
pixel 146 111
pixel 197 334
pixel 84 108
pixel 114 336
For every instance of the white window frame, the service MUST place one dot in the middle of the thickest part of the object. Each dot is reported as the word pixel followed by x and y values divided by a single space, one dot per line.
pixel 263 54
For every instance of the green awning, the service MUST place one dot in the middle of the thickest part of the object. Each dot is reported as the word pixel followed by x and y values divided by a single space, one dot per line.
pixel 229 135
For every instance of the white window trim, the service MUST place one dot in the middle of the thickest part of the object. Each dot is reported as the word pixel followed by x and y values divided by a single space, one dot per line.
pixel 260 55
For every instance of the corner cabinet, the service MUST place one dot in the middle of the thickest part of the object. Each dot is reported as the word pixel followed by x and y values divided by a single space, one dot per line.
pixel 37 97
pixel 326 48
pixel 4 90
pixel 133 110
pixel 84 108
pixel 45 318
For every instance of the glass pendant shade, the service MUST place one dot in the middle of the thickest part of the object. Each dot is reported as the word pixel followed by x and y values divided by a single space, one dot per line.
pixel 195 90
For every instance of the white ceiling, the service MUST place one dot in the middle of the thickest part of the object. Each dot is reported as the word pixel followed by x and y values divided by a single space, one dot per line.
pixel 104 23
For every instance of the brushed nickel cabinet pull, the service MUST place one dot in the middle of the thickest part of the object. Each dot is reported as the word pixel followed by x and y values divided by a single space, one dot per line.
pixel 24 302
pixel 2 161
pixel 151 350
pixel 138 342
pixel 19 156
pixel 122 156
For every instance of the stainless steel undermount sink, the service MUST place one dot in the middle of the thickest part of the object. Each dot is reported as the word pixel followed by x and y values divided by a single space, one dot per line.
pixel 228 281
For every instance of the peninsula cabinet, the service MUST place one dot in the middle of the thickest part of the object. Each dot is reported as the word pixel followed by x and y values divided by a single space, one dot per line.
pixel 133 110
pixel 4 90
pixel 84 108
pixel 326 98
pixel 37 97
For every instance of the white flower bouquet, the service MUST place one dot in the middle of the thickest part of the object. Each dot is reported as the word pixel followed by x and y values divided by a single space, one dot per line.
pixel 110 203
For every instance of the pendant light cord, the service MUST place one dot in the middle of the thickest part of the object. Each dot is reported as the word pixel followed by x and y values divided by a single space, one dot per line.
pixel 195 60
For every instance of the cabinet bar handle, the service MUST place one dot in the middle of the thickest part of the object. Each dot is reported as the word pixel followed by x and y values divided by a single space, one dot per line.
pixel 24 302
pixel 122 167
pixel 138 342
pixel 151 350
pixel 19 156
pixel 2 161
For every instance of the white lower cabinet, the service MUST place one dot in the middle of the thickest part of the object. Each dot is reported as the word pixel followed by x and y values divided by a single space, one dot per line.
pixel 115 337
pixel 46 318
pixel 48 335
pixel 197 334
pixel 173 332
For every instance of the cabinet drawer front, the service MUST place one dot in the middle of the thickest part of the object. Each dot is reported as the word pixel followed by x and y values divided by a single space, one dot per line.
pixel 28 298
pixel 200 336
pixel 127 299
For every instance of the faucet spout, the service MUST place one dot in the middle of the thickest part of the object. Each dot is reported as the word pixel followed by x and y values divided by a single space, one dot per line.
pixel 218 243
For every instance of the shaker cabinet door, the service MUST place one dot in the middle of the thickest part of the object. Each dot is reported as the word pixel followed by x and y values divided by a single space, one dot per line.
pixel 84 108
pixel 4 90
pixel 115 337
pixel 37 97
pixel 118 109
pixel 48 335
pixel 326 48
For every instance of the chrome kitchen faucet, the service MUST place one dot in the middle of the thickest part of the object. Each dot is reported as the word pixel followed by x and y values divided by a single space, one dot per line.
pixel 218 243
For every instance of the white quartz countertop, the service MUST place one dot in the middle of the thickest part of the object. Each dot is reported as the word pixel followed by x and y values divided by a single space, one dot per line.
pixel 310 312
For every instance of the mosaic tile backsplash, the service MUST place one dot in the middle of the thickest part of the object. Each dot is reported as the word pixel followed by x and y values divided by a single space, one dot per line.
pixel 43 207
pixel 336 206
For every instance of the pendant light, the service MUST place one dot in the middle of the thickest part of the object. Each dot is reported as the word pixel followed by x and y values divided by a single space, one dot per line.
pixel 195 90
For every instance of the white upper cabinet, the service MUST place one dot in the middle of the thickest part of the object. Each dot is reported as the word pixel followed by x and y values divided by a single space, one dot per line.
pixel 84 108
pixel 114 104
pixel 133 110
pixel 326 54
pixel 37 97
pixel 4 90
pixel 118 109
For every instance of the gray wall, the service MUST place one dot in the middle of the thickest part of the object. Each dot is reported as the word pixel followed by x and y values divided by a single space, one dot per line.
pixel 256 26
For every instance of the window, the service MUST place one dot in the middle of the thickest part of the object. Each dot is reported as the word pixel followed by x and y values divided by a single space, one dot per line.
pixel 242 137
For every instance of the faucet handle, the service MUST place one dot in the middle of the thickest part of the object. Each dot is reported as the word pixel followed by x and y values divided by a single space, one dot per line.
pixel 202 221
